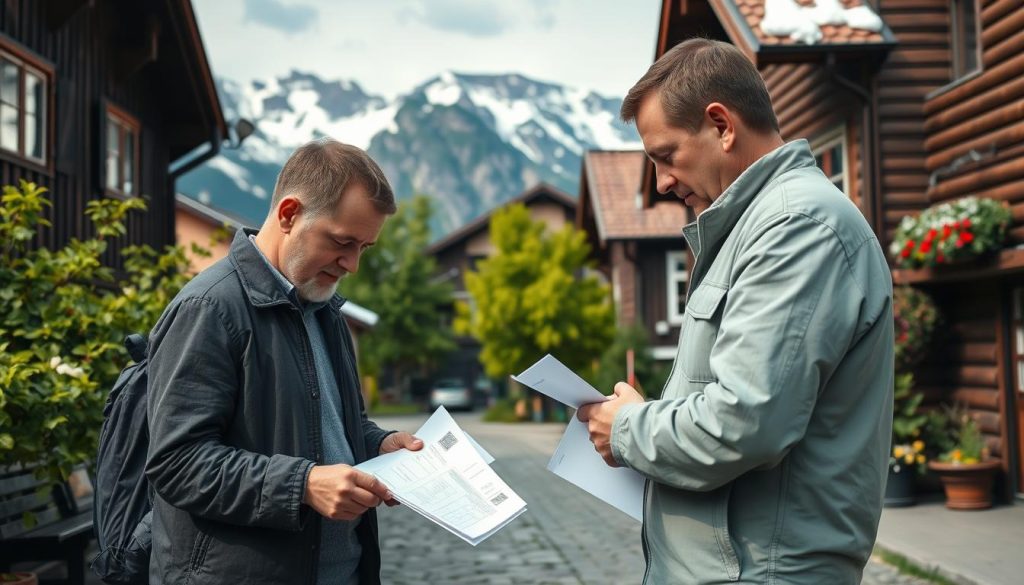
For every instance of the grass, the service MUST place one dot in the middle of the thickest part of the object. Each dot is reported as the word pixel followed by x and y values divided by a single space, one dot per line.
pixel 395 409
pixel 503 410
pixel 907 567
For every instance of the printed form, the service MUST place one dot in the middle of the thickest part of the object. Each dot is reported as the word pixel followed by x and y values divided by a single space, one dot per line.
pixel 575 460
pixel 449 481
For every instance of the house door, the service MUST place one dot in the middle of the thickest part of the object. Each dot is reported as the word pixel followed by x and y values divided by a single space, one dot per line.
pixel 1017 375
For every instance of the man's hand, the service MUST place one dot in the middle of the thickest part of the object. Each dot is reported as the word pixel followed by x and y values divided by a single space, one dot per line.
pixel 341 492
pixel 599 417
pixel 396 441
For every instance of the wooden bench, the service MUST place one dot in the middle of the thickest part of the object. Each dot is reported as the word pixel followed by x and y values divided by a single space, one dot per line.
pixel 38 523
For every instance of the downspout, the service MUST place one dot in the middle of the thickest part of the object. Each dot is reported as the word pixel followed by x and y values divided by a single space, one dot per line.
pixel 868 158
pixel 175 173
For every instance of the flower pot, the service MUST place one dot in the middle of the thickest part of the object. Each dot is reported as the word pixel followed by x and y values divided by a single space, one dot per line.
pixel 899 488
pixel 18 579
pixel 968 485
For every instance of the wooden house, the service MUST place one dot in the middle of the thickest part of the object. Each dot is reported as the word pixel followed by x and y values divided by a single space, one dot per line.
pixel 927 109
pixel 105 98
pixel 640 249
pixel 460 250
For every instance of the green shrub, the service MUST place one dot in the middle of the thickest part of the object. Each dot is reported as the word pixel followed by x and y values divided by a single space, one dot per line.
pixel 63 317
pixel 611 367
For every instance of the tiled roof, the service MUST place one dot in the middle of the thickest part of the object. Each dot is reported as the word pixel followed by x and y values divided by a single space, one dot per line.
pixel 613 179
pixel 753 12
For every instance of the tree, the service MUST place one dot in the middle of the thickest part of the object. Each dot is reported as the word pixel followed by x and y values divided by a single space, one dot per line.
pixel 63 316
pixel 531 298
pixel 396 280
pixel 611 369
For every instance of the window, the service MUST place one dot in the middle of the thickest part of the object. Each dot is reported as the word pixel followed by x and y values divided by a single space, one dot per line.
pixel 24 103
pixel 676 276
pixel 964 37
pixel 122 146
pixel 830 155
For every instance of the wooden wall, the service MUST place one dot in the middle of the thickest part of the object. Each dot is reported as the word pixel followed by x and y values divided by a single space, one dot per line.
pixel 83 55
pixel 984 114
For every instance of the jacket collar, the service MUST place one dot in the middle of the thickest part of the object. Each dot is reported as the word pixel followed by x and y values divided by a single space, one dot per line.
pixel 707 233
pixel 258 280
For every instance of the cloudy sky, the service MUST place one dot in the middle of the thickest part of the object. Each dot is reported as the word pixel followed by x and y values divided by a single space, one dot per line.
pixel 389 46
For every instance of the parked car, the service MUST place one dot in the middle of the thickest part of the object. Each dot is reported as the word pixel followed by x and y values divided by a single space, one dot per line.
pixel 451 393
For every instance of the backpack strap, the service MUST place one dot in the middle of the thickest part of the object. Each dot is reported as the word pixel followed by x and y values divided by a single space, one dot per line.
pixel 137 346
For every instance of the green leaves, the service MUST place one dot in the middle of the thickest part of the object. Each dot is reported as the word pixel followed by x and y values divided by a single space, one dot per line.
pixel 62 319
pixel 534 296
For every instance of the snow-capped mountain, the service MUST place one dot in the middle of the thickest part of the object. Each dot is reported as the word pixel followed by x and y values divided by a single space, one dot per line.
pixel 470 141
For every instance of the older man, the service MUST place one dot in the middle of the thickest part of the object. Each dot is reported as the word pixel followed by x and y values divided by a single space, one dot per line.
pixel 766 455
pixel 255 412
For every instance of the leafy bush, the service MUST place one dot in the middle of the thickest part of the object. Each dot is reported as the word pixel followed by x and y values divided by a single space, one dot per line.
pixel 915 318
pixel 63 317
pixel 611 368
pixel 951 232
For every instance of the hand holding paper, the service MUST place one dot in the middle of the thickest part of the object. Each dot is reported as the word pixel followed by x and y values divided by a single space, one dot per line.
pixel 599 417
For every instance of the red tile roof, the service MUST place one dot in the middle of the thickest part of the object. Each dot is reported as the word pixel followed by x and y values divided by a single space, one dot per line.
pixel 753 12
pixel 613 186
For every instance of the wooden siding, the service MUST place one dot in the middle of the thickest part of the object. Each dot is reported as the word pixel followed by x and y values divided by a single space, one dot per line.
pixel 964 366
pixel 83 55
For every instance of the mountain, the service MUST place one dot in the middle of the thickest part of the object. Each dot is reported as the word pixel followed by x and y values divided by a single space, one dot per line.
pixel 470 141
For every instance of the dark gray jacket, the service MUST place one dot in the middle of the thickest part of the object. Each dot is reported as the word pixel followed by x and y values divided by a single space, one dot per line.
pixel 234 415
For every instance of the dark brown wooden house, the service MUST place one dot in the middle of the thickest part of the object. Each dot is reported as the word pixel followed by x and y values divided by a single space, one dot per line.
pixel 640 249
pixel 460 250
pixel 105 98
pixel 928 109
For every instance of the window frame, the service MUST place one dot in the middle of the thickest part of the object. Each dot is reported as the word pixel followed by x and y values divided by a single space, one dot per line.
pixel 826 141
pixel 27 62
pixel 128 124
pixel 673 277
pixel 957 49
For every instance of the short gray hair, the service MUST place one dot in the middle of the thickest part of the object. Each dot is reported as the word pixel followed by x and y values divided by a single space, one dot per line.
pixel 319 171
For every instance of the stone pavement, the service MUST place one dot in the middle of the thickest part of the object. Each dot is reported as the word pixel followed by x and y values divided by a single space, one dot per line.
pixel 566 536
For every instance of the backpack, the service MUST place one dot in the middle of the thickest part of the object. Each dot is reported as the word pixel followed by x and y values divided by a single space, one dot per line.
pixel 122 510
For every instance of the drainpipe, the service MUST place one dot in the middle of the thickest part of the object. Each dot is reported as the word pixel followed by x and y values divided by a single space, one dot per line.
pixel 176 171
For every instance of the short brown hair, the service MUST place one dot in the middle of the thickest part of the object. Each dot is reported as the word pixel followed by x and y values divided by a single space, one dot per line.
pixel 697 72
pixel 320 171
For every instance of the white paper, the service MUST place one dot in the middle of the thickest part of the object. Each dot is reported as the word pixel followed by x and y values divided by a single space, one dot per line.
pixel 448 482
pixel 575 460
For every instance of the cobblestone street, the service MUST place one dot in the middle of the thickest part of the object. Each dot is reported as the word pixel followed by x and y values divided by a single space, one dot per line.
pixel 566 536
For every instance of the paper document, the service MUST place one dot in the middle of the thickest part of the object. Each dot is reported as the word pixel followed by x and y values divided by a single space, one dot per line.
pixel 575 460
pixel 448 481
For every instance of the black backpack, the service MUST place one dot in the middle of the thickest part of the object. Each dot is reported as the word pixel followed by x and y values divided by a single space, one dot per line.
pixel 122 512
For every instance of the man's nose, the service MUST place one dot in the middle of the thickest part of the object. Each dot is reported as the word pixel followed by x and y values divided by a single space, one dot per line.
pixel 665 182
pixel 349 262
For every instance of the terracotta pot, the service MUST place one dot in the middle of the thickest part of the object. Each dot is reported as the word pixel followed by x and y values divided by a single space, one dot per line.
pixel 18 579
pixel 968 485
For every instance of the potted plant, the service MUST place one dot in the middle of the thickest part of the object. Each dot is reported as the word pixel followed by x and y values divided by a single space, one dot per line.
pixel 907 458
pixel 966 470
pixel 951 232
pixel 19 578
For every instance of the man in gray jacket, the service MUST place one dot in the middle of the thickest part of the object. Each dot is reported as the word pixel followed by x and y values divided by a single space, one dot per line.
pixel 255 413
pixel 766 455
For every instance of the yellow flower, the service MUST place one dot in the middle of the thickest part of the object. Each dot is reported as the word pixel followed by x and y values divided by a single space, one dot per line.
pixel 971 460
pixel 956 455
pixel 920 459
pixel 909 458
pixel 918 446
pixel 898 451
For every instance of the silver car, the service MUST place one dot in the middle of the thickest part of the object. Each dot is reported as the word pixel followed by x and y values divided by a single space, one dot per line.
pixel 451 393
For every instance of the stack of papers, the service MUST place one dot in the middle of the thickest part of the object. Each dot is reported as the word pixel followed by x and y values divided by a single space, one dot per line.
pixel 449 481
pixel 575 460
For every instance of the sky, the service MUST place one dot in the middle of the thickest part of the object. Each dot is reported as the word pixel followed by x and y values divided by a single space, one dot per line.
pixel 390 46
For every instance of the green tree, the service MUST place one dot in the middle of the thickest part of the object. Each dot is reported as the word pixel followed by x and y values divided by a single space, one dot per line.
pixel 63 316
pixel 531 298
pixel 396 280
pixel 611 369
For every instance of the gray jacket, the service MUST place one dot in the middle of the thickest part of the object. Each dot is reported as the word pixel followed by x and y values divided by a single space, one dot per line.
pixel 235 428
pixel 767 454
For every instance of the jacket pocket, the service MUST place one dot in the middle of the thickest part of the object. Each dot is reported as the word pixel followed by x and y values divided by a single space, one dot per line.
pixel 195 561
pixel 720 520
pixel 700 329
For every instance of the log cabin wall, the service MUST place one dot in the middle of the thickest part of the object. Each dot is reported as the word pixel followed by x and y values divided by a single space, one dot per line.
pixel 982 117
pixel 83 52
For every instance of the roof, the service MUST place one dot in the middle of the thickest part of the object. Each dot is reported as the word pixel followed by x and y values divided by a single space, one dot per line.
pixel 753 12
pixel 612 186
pixel 207 213
pixel 531 195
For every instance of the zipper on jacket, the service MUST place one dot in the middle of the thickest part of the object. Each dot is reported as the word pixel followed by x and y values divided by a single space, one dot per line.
pixel 643 534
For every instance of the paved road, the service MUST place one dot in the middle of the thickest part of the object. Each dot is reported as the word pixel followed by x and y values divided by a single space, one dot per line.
pixel 566 536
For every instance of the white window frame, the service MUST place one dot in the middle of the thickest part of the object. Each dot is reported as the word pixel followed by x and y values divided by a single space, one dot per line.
pixel 828 140
pixel 26 67
pixel 674 277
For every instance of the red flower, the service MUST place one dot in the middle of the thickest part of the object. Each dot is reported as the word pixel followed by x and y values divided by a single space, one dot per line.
pixel 931 235
pixel 967 237
pixel 966 223
pixel 960 243
pixel 946 230
pixel 906 252
pixel 926 246
pixel 940 258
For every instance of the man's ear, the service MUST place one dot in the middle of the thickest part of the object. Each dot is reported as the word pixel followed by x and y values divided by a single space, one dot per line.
pixel 721 119
pixel 287 213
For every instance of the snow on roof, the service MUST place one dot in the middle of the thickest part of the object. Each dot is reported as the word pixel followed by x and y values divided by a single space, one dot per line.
pixel 812 22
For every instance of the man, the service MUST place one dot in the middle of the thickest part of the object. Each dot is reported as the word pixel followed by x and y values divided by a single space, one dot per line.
pixel 255 411
pixel 766 455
